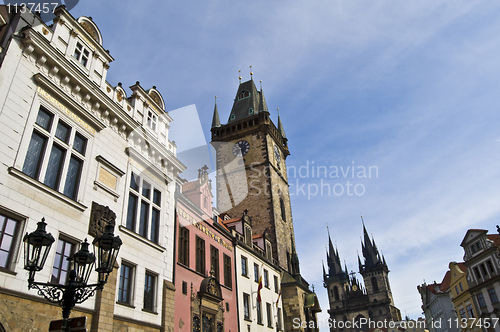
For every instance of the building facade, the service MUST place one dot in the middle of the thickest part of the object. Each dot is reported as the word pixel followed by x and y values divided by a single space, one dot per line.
pixel 80 153
pixel 205 285
pixel 481 258
pixel 353 301
pixel 258 278
pixel 251 154
pixel 465 308
pixel 437 305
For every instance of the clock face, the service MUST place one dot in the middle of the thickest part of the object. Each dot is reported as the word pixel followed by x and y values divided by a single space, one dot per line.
pixel 241 148
pixel 354 288
pixel 277 153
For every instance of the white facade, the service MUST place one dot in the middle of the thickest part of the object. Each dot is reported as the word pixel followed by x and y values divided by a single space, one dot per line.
pixel 247 286
pixel 68 139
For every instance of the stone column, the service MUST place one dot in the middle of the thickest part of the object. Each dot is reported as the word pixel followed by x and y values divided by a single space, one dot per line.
pixel 168 310
pixel 105 305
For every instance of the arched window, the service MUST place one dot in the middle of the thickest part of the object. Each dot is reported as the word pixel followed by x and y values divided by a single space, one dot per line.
pixel 283 212
pixel 243 94
pixel 336 293
pixel 374 284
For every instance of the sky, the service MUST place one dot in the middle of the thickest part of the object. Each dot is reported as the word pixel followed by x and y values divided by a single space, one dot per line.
pixel 408 89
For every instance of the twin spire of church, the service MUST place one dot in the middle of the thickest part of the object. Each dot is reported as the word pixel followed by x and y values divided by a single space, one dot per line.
pixel 371 255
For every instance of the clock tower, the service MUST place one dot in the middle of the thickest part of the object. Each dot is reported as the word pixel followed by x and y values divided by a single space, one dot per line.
pixel 251 154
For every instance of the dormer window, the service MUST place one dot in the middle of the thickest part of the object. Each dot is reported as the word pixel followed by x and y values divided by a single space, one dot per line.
pixel 151 121
pixel 476 247
pixel 269 251
pixel 243 94
pixel 81 54
pixel 232 117
pixel 250 111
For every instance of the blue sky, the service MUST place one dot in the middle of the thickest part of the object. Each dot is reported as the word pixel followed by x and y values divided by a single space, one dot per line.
pixel 409 87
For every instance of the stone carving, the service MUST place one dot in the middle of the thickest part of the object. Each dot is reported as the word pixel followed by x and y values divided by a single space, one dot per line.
pixel 100 216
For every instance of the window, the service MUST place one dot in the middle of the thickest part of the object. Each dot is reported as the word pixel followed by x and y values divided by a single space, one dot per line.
pixel 266 279
pixel 490 266
pixel 61 266
pixel 461 288
pixel 227 271
pixel 243 94
pixel 483 270
pixel 184 287
pixel 336 293
pixel 149 291
pixel 144 220
pixel 81 54
pixel 470 311
pixel 256 272
pixel 462 313
pixel 282 207
pixel 493 295
pixel 374 284
pixel 200 255
pixel 125 288
pixel 280 327
pixel 151 120
pixel 476 272
pixel 269 315
pixel 480 300
pixel 184 246
pixel 276 285
pixel 56 153
pixel 259 312
pixel 246 306
pixel 9 229
pixel 244 270
pixel 214 261
pixel 456 289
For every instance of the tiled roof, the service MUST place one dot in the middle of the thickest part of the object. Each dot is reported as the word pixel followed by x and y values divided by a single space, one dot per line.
pixel 446 281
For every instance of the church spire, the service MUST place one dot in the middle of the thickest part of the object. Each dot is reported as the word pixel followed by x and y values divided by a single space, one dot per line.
pixel 333 261
pixel 280 126
pixel 215 119
pixel 262 100
pixel 370 251
pixel 246 102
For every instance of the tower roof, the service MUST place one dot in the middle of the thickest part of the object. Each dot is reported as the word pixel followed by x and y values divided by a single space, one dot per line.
pixel 248 101
pixel 370 253
pixel 333 262
pixel 215 119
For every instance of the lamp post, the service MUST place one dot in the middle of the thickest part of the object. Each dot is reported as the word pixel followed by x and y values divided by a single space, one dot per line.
pixel 36 248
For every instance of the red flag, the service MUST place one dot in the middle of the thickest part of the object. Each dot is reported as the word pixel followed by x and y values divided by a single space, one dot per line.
pixel 259 288
pixel 278 300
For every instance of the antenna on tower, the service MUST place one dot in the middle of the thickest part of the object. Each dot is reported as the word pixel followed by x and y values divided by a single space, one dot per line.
pixel 251 73
pixel 261 85
pixel 239 74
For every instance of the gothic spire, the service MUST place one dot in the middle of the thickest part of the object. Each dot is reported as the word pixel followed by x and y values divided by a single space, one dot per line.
pixel 280 126
pixel 246 102
pixel 262 100
pixel 370 251
pixel 216 120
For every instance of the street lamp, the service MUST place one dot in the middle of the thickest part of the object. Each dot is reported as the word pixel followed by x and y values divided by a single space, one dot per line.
pixel 36 248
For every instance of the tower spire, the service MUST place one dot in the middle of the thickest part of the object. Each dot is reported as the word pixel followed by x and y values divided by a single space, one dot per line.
pixel 215 119
pixel 280 125
pixel 262 100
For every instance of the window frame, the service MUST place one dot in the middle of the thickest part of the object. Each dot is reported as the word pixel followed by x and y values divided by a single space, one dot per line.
pixel 493 295
pixel 81 54
pixel 183 257
pixel 246 306
pixel 73 247
pixel 126 296
pixel 276 284
pixel 16 239
pixel 150 306
pixel 59 182
pixel 266 278
pixel 256 272
pixel 214 262
pixel 480 300
pixel 269 311
pixel 244 266
pixel 228 280
pixel 200 255
pixel 258 306
pixel 143 214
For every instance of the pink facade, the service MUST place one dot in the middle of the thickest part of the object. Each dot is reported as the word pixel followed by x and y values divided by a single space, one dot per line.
pixel 205 288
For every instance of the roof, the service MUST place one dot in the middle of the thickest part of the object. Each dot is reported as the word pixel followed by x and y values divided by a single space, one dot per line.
pixel 445 284
pixel 495 238
pixel 188 186
pixel 257 236
pixel 248 104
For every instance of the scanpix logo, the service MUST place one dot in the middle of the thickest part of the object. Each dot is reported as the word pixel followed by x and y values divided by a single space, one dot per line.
pixel 45 9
